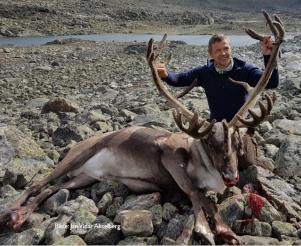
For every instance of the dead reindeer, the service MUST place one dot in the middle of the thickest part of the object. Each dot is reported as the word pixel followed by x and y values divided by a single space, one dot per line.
pixel 203 157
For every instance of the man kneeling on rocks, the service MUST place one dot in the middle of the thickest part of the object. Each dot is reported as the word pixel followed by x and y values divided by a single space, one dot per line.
pixel 224 97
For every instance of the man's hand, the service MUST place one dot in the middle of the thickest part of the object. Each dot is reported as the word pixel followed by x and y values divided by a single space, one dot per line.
pixel 266 45
pixel 162 70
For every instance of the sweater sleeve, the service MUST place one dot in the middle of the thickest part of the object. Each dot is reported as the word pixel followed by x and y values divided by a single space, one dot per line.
pixel 184 78
pixel 255 73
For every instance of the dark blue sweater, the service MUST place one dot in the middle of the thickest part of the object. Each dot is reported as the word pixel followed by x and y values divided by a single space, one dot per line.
pixel 224 97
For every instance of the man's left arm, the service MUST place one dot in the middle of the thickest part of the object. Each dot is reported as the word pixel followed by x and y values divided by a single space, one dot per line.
pixel 255 73
pixel 274 80
pixel 266 49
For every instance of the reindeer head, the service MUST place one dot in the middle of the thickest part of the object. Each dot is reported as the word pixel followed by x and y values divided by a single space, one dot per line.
pixel 225 145
pixel 220 143
pixel 218 146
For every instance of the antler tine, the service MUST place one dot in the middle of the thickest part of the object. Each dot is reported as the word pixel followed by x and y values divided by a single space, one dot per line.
pixel 254 34
pixel 188 89
pixel 278 19
pixel 256 92
pixel 194 124
pixel 150 49
pixel 280 28
pixel 161 46
pixel 265 110
pixel 270 23
pixel 247 87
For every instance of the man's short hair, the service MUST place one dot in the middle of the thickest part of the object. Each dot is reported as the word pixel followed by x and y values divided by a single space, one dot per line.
pixel 216 38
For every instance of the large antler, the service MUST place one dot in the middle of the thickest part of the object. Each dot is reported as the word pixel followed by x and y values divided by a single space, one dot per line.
pixel 195 123
pixel 254 93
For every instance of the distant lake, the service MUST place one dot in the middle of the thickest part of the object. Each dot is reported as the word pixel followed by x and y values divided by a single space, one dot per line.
pixel 236 40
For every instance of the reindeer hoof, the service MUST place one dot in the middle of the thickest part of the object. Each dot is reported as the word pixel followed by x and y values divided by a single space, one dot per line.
pixel 17 218
pixel 205 234
pixel 202 228
pixel 4 215
pixel 227 235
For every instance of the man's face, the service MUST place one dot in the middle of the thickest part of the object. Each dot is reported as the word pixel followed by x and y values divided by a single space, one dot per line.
pixel 221 53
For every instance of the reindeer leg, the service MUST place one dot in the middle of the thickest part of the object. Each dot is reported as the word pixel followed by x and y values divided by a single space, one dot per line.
pixel 34 188
pixel 173 163
pixel 19 216
pixel 67 164
pixel 39 185
pixel 221 229
pixel 8 209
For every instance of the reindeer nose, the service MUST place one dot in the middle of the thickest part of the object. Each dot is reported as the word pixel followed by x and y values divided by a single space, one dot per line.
pixel 230 183
pixel 230 176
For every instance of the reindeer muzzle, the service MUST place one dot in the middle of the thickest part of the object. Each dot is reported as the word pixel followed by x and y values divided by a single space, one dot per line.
pixel 230 178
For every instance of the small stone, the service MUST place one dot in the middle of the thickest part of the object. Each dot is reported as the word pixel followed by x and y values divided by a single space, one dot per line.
pixel 265 126
pixel 132 240
pixel 186 236
pixel 297 233
pixel 168 241
pixel 81 222
pixel 106 185
pixel 252 227
pixel 232 209
pixel 51 204
pixel 297 242
pixel 102 127
pixel 175 226
pixel 281 229
pixel 136 222
pixel 271 150
pixel 59 104
pixel 129 115
pixel 105 202
pixel 53 155
pixel 157 214
pixel 8 191
pixel 113 209
pixel 288 161
pixel 103 232
pixel 81 202
pixel 28 237
pixel 255 240
pixel 169 211
pixel 141 201
pixel 71 240
pixel 229 192
pixel 36 220
pixel 56 229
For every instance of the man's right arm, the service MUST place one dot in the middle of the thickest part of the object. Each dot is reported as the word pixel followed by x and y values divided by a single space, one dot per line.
pixel 178 79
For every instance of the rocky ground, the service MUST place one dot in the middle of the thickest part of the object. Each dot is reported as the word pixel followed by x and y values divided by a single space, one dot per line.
pixel 55 95
pixel 52 17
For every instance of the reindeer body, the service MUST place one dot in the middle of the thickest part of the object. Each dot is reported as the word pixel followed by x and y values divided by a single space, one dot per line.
pixel 128 155
pixel 133 156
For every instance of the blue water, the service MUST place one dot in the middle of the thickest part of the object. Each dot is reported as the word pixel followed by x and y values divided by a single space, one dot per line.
pixel 236 40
